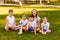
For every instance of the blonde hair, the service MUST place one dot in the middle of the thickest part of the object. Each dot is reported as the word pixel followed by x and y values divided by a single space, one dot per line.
pixel 44 18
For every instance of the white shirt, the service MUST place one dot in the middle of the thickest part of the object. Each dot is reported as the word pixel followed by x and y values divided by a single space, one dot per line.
pixel 11 20
pixel 23 22
pixel 32 24
pixel 36 19
pixel 45 25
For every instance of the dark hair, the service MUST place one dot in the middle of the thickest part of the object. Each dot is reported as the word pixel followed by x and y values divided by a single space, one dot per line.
pixel 31 16
pixel 43 17
pixel 32 12
pixel 10 10
pixel 23 14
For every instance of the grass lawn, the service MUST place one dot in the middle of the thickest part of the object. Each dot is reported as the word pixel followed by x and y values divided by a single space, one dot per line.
pixel 25 9
pixel 53 15
pixel 53 18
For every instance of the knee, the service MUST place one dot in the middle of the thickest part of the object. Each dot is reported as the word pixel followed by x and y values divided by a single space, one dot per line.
pixel 6 28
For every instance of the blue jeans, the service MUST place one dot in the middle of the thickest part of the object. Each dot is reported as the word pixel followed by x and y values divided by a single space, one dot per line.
pixel 31 28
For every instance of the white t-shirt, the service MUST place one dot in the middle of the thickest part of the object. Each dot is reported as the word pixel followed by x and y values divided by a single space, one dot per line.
pixel 23 22
pixel 45 25
pixel 11 20
pixel 32 24
pixel 36 19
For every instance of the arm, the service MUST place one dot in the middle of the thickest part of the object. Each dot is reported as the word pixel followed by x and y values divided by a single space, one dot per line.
pixel 41 27
pixel 28 24
pixel 14 21
pixel 48 26
pixel 6 21
pixel 39 23
pixel 35 28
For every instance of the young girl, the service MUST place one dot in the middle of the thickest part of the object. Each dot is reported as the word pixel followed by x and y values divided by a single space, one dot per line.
pixel 10 21
pixel 31 26
pixel 45 26
pixel 36 18
pixel 22 24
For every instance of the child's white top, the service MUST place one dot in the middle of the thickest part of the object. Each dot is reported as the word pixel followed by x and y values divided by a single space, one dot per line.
pixel 36 19
pixel 45 25
pixel 11 20
pixel 32 24
pixel 23 22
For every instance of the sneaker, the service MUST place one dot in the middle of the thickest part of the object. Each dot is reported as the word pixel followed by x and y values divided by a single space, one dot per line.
pixel 19 32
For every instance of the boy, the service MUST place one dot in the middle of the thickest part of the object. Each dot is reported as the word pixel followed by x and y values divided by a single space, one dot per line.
pixel 45 26
pixel 10 21
pixel 22 24
pixel 31 26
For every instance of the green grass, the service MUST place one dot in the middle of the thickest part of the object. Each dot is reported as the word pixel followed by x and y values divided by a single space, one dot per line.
pixel 53 18
pixel 25 9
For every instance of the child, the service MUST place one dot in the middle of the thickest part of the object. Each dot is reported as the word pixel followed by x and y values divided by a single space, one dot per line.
pixel 31 26
pixel 22 24
pixel 10 21
pixel 45 26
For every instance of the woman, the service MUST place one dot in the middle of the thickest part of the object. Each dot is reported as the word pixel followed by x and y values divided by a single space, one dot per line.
pixel 36 18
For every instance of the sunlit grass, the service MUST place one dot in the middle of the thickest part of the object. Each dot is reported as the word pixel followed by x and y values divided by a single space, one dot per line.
pixel 20 10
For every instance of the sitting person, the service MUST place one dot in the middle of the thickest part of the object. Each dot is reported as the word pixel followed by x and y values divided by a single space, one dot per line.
pixel 36 18
pixel 10 21
pixel 31 25
pixel 22 24
pixel 45 26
